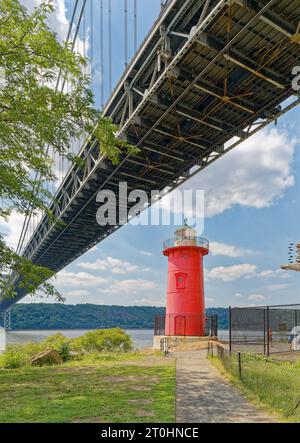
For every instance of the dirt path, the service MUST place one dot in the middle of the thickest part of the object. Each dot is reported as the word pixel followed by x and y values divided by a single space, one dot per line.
pixel 204 396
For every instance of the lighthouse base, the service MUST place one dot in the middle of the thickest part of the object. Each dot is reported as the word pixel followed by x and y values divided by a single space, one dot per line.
pixel 175 340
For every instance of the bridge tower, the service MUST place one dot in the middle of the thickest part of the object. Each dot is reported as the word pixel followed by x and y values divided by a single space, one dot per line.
pixel 185 313
pixel 7 320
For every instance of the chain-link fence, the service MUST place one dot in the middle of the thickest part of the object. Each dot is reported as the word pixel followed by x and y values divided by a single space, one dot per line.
pixel 275 383
pixel 265 330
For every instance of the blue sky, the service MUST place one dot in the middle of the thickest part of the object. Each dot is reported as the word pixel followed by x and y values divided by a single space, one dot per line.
pixel 252 214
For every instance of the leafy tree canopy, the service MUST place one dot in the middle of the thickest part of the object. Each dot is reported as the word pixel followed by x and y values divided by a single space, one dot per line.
pixel 36 118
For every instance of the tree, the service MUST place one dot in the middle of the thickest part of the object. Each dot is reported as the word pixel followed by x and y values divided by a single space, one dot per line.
pixel 35 114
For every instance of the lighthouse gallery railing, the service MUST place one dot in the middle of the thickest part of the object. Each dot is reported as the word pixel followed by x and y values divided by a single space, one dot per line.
pixel 197 241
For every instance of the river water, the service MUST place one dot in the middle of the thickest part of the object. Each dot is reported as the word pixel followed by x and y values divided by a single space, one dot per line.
pixel 142 338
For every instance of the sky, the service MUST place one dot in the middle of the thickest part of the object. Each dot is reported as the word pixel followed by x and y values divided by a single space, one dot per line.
pixel 252 212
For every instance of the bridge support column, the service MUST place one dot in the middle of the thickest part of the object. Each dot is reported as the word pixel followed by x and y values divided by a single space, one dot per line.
pixel 7 320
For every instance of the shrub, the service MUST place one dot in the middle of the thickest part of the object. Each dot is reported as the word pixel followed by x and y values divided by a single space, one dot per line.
pixel 14 357
pixel 65 351
pixel 101 341
pixel 17 356
pixel 105 340
pixel 60 343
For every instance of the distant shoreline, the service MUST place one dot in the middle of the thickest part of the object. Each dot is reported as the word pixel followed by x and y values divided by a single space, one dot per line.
pixel 77 329
pixel 87 329
pixel 60 317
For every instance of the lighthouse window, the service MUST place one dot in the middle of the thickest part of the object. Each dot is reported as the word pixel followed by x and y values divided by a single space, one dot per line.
pixel 180 281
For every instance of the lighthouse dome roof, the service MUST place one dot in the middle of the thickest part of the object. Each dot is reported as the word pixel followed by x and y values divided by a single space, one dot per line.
pixel 185 231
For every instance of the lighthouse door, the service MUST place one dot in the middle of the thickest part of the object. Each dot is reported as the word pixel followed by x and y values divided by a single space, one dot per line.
pixel 180 325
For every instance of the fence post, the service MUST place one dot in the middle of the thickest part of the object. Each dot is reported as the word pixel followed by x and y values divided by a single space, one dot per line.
pixel 230 331
pixel 265 332
pixel 240 365
pixel 268 331
pixel 215 326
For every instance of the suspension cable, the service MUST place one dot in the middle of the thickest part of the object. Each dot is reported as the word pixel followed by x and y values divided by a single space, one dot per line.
pixel 102 53
pixel 135 24
pixel 92 39
pixel 126 32
pixel 109 46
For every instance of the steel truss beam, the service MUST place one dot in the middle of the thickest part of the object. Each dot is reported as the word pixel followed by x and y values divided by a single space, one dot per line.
pixel 270 18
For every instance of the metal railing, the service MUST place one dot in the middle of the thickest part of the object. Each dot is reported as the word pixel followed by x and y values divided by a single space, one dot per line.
pixel 195 241
pixel 179 325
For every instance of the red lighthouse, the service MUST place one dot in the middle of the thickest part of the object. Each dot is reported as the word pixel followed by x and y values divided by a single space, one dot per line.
pixel 185 314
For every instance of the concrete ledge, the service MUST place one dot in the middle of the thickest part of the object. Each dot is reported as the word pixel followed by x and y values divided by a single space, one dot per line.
pixel 177 340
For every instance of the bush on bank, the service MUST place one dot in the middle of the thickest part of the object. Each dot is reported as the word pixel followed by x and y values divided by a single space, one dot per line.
pixel 100 341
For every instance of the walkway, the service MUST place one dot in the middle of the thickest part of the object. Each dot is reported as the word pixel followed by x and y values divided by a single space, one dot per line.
pixel 204 396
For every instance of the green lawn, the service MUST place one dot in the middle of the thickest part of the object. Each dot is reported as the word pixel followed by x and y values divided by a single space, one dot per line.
pixel 117 389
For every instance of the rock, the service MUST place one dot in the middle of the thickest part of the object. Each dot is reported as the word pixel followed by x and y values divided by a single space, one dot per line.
pixel 50 357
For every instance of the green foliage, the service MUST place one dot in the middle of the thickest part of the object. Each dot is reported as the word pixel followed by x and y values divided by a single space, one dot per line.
pixel 64 351
pixel 106 340
pixel 17 356
pixel 12 358
pixel 60 343
pixel 98 343
pixel 57 316
pixel 36 115
pixel 31 276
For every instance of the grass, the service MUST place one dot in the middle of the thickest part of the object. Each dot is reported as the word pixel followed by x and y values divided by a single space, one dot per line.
pixel 271 384
pixel 115 389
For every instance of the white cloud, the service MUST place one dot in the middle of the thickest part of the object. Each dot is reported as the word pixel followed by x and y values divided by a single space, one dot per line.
pixel 76 293
pixel 257 297
pixel 278 287
pixel 114 265
pixel 254 174
pixel 148 254
pixel 134 286
pixel 78 280
pixel 58 21
pixel 12 229
pixel 238 295
pixel 232 273
pixel 274 273
pixel 227 250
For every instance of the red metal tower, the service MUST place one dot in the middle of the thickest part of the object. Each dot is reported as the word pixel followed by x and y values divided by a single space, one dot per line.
pixel 185 314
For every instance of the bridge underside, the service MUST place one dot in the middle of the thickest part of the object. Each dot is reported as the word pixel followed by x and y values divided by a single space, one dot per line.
pixel 209 75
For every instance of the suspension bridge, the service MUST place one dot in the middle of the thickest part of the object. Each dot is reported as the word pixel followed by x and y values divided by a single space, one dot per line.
pixel 208 75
